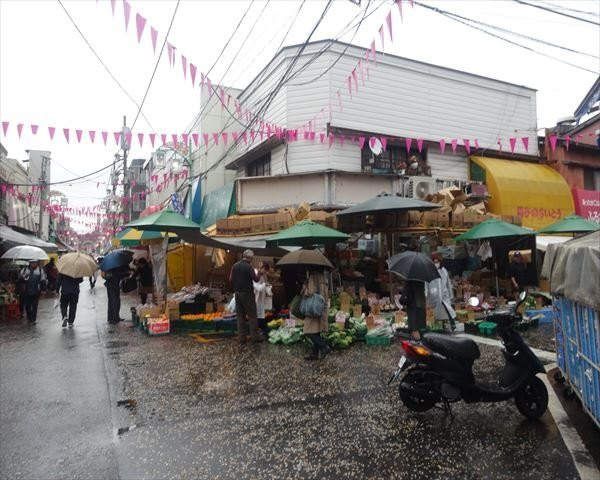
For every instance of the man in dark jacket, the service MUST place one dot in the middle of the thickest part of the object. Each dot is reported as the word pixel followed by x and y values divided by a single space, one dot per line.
pixel 242 275
pixel 69 297
pixel 34 279
pixel 112 282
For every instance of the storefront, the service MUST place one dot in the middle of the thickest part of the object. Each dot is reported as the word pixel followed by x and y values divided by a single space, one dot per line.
pixel 536 193
pixel 587 204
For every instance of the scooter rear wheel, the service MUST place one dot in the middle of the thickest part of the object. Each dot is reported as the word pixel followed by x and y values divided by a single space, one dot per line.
pixel 532 399
pixel 421 381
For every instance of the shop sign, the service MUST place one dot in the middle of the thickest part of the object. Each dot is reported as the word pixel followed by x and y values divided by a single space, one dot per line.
pixel 541 213
pixel 587 204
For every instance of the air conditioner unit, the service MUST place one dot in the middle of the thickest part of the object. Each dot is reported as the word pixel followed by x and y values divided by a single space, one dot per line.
pixel 420 187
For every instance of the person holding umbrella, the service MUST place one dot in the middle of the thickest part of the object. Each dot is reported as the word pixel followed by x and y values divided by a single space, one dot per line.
pixel 71 268
pixel 115 267
pixel 34 278
pixel 69 297
pixel 417 269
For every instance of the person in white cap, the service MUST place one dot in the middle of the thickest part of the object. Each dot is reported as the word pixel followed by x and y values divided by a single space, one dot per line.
pixel 242 277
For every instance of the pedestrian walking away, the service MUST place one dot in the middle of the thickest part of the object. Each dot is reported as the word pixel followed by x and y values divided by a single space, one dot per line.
pixel 34 278
pixel 316 284
pixel 242 277
pixel 143 274
pixel 69 297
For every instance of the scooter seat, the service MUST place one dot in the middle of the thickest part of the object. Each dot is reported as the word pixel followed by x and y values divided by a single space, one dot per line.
pixel 462 348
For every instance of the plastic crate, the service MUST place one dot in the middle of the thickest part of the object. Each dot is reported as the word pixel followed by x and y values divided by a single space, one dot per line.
pixel 378 341
pixel 590 389
pixel 487 328
pixel 226 325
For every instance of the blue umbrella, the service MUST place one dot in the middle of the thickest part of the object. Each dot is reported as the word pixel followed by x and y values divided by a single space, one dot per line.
pixel 115 259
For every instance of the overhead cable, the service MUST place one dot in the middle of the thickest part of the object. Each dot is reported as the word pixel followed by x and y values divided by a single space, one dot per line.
pixel 541 7
pixel 504 39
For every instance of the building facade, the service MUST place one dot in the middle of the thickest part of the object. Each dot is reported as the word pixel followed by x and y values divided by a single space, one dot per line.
pixel 337 157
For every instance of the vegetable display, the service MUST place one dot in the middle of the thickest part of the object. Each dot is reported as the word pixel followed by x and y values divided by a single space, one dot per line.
pixel 338 338
pixel 286 335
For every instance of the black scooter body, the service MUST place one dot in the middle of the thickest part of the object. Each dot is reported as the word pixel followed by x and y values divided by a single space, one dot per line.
pixel 449 368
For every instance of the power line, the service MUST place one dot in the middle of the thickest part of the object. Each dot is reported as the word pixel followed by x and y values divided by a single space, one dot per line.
pixel 504 39
pixel 594 14
pixel 156 66
pixel 102 62
pixel 541 7
pixel 522 35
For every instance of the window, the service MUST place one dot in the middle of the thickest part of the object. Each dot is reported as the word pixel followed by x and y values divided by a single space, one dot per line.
pixel 395 159
pixel 591 179
pixel 261 167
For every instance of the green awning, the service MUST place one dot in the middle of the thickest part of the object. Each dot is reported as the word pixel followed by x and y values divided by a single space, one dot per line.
pixel 307 233
pixel 571 224
pixel 493 228
pixel 217 204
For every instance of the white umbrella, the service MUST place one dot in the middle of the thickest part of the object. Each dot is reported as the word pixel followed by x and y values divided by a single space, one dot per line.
pixel 25 252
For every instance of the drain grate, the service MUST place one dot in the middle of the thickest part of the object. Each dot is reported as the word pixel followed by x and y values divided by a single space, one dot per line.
pixel 115 344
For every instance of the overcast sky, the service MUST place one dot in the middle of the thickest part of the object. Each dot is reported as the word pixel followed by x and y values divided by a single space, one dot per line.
pixel 49 76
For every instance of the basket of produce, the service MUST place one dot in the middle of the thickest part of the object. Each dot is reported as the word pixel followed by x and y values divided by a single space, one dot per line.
pixel 286 335
pixel 381 335
pixel 337 337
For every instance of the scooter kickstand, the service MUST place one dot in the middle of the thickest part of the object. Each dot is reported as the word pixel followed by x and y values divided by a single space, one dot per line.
pixel 448 408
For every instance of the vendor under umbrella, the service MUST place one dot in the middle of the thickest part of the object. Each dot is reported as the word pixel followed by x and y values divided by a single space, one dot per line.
pixel 417 269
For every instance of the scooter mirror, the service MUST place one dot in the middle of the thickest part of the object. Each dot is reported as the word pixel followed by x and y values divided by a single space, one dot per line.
pixel 473 302
pixel 522 295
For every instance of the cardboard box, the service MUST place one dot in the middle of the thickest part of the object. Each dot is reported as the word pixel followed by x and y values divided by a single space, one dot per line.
pixel 414 218
pixel 282 221
pixel 150 312
pixel 173 311
pixel 223 225
pixel 458 219
pixel 258 224
pixel 319 217
pixel 245 224
pixel 472 218
pixel 443 219
pixel 544 285
pixel 233 225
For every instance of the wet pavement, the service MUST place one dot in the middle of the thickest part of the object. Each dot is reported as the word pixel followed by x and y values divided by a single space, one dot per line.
pixel 219 410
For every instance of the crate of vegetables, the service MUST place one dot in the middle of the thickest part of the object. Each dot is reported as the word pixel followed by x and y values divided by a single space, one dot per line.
pixel 196 322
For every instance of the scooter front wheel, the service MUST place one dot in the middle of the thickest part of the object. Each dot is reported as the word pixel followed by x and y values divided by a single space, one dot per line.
pixel 532 398
pixel 418 392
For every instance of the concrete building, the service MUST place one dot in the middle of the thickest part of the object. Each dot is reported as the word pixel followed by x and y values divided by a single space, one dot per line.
pixel 137 178
pixel 39 166
pixel 396 99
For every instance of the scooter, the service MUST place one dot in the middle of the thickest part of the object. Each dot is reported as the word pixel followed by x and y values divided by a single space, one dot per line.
pixel 439 370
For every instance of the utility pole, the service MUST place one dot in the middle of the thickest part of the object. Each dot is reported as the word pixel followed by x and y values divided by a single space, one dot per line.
pixel 42 196
pixel 126 179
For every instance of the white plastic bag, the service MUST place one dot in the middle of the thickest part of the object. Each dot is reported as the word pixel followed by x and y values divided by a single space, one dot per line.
pixel 231 305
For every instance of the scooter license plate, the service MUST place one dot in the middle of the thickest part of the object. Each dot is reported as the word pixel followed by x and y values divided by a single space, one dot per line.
pixel 402 362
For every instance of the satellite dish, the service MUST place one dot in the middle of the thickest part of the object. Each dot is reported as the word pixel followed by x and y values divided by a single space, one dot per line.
pixel 375 146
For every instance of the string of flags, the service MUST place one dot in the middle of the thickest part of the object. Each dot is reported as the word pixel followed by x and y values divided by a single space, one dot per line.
pixel 269 131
